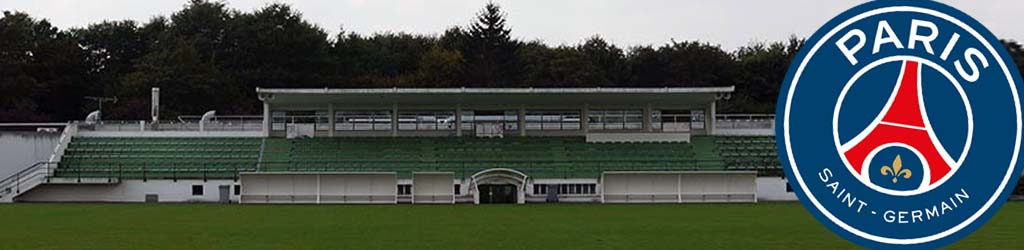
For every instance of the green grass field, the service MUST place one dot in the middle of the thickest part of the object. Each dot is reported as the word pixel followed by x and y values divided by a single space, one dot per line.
pixel 193 226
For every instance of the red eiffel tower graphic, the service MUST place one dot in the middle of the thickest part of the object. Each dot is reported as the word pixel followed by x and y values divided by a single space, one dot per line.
pixel 903 122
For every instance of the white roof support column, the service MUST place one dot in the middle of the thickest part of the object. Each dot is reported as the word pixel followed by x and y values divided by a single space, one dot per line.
pixel 709 119
pixel 585 118
pixel 394 120
pixel 330 119
pixel 266 119
pixel 647 118
pixel 522 121
pixel 458 120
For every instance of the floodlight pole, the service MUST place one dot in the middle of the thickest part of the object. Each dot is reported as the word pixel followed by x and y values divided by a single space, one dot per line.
pixel 99 100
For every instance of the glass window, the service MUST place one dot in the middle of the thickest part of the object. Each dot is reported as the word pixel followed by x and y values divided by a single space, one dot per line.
pixel 379 120
pixel 656 119
pixel 404 189
pixel 322 122
pixel 616 119
pixel 467 120
pixel 552 120
pixel 697 119
pixel 426 120
pixel 278 121
pixel 197 190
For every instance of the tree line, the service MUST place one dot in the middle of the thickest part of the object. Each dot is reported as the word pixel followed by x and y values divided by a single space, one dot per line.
pixel 208 56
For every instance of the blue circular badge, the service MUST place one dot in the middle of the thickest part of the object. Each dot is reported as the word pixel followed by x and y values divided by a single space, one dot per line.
pixel 899 124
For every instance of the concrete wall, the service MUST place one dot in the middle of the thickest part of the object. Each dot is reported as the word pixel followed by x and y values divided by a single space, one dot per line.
pixel 19 149
pixel 128 191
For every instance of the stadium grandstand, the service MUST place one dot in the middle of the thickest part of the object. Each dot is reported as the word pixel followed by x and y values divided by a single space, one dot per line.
pixel 460 145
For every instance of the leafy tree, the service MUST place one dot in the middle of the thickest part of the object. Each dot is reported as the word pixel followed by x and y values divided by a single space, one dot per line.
pixel 42 69
pixel 609 60
pixel 437 67
pixel 208 56
pixel 272 47
pixel 1016 52
pixel 693 64
pixel 647 67
pixel 762 70
pixel 206 24
pixel 110 47
pixel 380 60
pixel 559 67
pixel 189 84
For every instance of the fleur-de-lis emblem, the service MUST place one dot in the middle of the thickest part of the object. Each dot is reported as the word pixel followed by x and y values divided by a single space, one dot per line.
pixel 896 170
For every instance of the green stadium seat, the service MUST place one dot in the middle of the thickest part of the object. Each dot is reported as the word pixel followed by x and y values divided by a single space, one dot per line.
pixel 157 158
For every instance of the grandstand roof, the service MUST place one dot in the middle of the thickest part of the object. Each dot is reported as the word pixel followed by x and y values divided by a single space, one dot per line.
pixel 493 96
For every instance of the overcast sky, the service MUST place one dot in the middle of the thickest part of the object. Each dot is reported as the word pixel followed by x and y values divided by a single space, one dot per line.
pixel 731 23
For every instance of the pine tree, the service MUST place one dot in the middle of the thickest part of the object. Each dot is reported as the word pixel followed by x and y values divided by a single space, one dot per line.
pixel 492 52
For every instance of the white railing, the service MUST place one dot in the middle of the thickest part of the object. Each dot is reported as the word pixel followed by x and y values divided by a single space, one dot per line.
pixel 70 130
pixel 255 123
pixel 24 180
pixel 745 124
pixel 745 121
pixel 222 123
pixel 183 123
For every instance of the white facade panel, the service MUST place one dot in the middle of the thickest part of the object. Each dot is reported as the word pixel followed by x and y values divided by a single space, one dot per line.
pixel 678 187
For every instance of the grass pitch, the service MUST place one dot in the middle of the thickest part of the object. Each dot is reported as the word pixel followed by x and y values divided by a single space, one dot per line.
pixel 561 226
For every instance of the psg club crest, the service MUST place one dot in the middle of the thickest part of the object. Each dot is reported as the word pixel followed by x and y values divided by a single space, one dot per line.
pixel 899 124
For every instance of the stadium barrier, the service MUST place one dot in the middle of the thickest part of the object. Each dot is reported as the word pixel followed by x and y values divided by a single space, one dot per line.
pixel 319 188
pixel 433 188
pixel 679 187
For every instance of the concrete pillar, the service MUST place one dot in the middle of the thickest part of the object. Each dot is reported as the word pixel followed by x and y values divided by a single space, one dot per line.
pixel 458 120
pixel 330 119
pixel 522 121
pixel 647 118
pixel 585 118
pixel 709 119
pixel 394 120
pixel 266 119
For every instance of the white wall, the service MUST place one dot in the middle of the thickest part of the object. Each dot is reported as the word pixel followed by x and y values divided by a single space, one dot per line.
pixel 637 137
pixel 319 188
pixel 745 131
pixel 19 149
pixel 433 188
pixel 169 134
pixel 768 189
pixel 773 189
pixel 673 187
pixel 128 191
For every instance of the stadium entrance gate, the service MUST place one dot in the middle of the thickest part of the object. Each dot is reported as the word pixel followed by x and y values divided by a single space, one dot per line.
pixel 498 194
pixel 499 185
